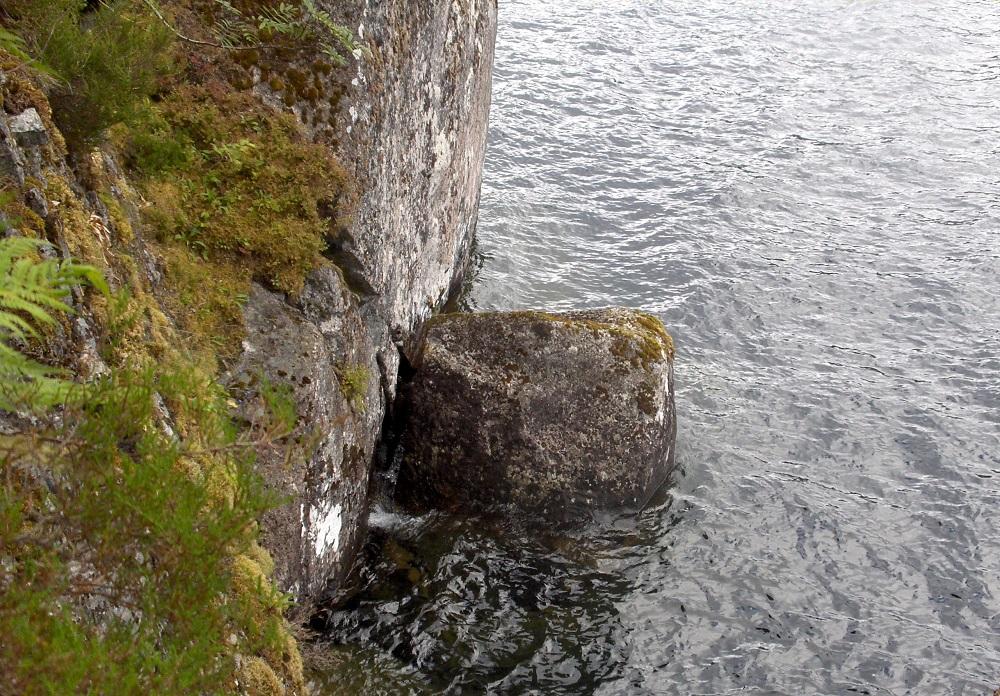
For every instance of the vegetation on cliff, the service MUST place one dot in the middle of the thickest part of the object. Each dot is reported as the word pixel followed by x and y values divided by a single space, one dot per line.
pixel 128 502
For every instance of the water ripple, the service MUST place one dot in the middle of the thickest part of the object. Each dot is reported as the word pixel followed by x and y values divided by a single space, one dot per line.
pixel 809 195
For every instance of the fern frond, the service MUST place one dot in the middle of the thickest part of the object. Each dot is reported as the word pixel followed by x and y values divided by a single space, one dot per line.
pixel 32 291
pixel 15 46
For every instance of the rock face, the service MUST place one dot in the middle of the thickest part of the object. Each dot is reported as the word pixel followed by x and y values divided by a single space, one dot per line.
pixel 321 348
pixel 11 159
pixel 416 119
pixel 415 130
pixel 555 414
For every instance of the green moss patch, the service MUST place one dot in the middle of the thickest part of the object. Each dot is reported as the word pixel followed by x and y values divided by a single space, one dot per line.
pixel 237 183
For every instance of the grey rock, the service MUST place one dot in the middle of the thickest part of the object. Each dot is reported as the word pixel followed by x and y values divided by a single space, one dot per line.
pixel 11 159
pixel 553 414
pixel 37 202
pixel 414 124
pixel 28 129
pixel 313 537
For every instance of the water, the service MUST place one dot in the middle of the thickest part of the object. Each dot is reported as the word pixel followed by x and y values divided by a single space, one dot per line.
pixel 808 194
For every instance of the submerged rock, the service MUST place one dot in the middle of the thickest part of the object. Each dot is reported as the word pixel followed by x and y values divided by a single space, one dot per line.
pixel 555 414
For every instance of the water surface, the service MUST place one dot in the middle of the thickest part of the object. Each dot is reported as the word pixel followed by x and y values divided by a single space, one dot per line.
pixel 808 194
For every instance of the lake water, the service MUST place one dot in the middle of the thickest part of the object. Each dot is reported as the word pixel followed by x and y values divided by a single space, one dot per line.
pixel 808 194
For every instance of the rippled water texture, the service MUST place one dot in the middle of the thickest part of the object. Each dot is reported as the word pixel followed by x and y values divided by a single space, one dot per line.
pixel 808 194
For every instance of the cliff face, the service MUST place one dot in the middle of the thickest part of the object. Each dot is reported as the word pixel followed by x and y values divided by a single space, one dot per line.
pixel 417 129
pixel 414 130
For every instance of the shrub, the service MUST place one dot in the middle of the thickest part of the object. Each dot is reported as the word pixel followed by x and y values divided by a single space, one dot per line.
pixel 120 539
pixel 106 61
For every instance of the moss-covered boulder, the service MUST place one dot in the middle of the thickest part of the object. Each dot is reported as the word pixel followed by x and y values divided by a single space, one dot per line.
pixel 553 414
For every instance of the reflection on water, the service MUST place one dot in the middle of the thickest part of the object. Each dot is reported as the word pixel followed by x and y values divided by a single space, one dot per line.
pixel 809 195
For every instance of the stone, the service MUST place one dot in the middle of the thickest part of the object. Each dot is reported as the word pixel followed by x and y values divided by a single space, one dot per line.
pixel 555 415
pixel 307 346
pixel 11 160
pixel 37 202
pixel 28 129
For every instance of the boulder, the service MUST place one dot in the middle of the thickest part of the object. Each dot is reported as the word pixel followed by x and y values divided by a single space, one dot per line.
pixel 553 414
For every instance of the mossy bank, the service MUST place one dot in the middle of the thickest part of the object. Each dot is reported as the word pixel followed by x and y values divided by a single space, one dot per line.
pixel 273 225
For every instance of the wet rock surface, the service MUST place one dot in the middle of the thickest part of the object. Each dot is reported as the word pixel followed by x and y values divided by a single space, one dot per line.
pixel 554 414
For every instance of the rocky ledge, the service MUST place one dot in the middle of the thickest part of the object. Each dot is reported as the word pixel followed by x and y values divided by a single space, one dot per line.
pixel 553 414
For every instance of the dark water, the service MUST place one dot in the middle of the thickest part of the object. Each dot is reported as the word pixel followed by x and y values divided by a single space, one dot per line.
pixel 808 194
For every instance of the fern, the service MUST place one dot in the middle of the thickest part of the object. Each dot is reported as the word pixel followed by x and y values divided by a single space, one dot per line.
pixel 13 44
pixel 32 292
pixel 18 49
pixel 342 37
pixel 300 27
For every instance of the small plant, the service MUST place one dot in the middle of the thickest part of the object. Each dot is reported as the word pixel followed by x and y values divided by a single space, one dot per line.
pixel 238 153
pixel 106 61
pixel 279 398
pixel 300 27
pixel 14 45
pixel 354 384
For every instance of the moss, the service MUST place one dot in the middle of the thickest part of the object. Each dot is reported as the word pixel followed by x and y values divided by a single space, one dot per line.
pixel 635 335
pixel 265 605
pixel 206 297
pixel 258 679
pixel 400 556
pixel 119 220
pixel 354 384
pixel 624 349
pixel 17 214
pixel 252 190
pixel 136 331
pixel 656 327
pixel 83 233
pixel 262 558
